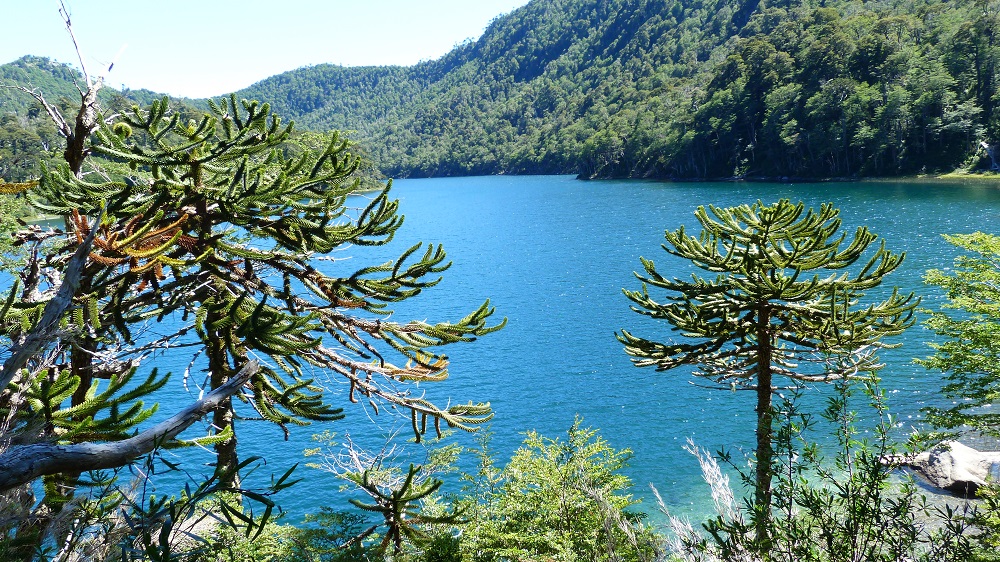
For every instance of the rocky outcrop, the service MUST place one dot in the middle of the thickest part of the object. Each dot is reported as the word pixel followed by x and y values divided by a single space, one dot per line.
pixel 955 467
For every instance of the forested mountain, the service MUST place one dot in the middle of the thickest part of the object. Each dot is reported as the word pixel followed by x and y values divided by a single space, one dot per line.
pixel 541 91
pixel 678 89
pixel 27 135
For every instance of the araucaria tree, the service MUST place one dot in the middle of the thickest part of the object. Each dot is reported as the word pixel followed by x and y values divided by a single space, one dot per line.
pixel 212 234
pixel 216 224
pixel 781 303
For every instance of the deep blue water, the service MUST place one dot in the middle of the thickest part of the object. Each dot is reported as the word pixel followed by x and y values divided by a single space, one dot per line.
pixel 553 253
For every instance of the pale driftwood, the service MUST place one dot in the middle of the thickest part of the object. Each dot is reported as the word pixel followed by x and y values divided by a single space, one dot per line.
pixel 46 328
pixel 22 464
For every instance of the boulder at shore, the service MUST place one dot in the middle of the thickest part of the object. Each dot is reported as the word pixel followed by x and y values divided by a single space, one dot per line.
pixel 954 467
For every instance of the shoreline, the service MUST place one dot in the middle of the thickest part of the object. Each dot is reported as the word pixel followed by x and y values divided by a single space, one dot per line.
pixel 954 177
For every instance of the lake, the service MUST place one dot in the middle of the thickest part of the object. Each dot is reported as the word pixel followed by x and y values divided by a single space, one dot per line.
pixel 553 254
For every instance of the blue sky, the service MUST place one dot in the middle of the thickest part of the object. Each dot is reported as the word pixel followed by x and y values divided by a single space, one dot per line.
pixel 201 48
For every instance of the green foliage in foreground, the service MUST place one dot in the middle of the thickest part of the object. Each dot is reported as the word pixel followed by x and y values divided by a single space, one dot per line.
pixel 557 499
pixel 850 507
pixel 560 499
pixel 13 210
pixel 564 499
pixel 398 503
pixel 214 223
pixel 986 519
pixel 969 322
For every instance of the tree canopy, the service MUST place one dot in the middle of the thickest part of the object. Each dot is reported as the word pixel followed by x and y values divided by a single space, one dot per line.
pixel 208 233
pixel 667 89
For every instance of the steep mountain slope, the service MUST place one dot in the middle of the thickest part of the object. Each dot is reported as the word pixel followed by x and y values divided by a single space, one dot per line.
pixel 35 72
pixel 27 135
pixel 671 88
pixel 525 98
pixel 57 81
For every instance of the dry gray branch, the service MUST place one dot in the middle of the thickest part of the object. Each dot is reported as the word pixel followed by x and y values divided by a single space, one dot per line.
pixel 46 329
pixel 22 464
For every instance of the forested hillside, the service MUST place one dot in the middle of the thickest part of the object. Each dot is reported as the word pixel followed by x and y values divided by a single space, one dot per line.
pixel 28 136
pixel 677 89
pixel 685 89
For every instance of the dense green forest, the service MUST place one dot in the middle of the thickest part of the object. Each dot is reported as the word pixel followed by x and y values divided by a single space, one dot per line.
pixel 28 136
pixel 678 89
pixel 661 88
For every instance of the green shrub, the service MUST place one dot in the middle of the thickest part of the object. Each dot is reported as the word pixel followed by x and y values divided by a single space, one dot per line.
pixel 556 499
pixel 848 508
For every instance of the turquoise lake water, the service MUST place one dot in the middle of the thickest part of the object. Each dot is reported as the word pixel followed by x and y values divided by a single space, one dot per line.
pixel 553 253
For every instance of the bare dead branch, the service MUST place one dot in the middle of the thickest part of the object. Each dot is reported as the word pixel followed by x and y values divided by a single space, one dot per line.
pixel 22 464
pixel 64 13
pixel 57 117
pixel 46 328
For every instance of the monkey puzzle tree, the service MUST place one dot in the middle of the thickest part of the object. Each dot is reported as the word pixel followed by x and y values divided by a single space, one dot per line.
pixel 397 499
pixel 207 234
pixel 216 228
pixel 781 304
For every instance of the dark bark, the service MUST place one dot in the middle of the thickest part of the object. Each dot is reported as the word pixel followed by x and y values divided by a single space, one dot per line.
pixel 765 451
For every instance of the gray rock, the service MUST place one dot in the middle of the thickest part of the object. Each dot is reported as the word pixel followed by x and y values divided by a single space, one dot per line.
pixel 955 467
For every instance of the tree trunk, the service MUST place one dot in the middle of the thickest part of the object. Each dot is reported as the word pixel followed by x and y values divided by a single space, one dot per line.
pixel 764 414
pixel 223 415
pixel 76 152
